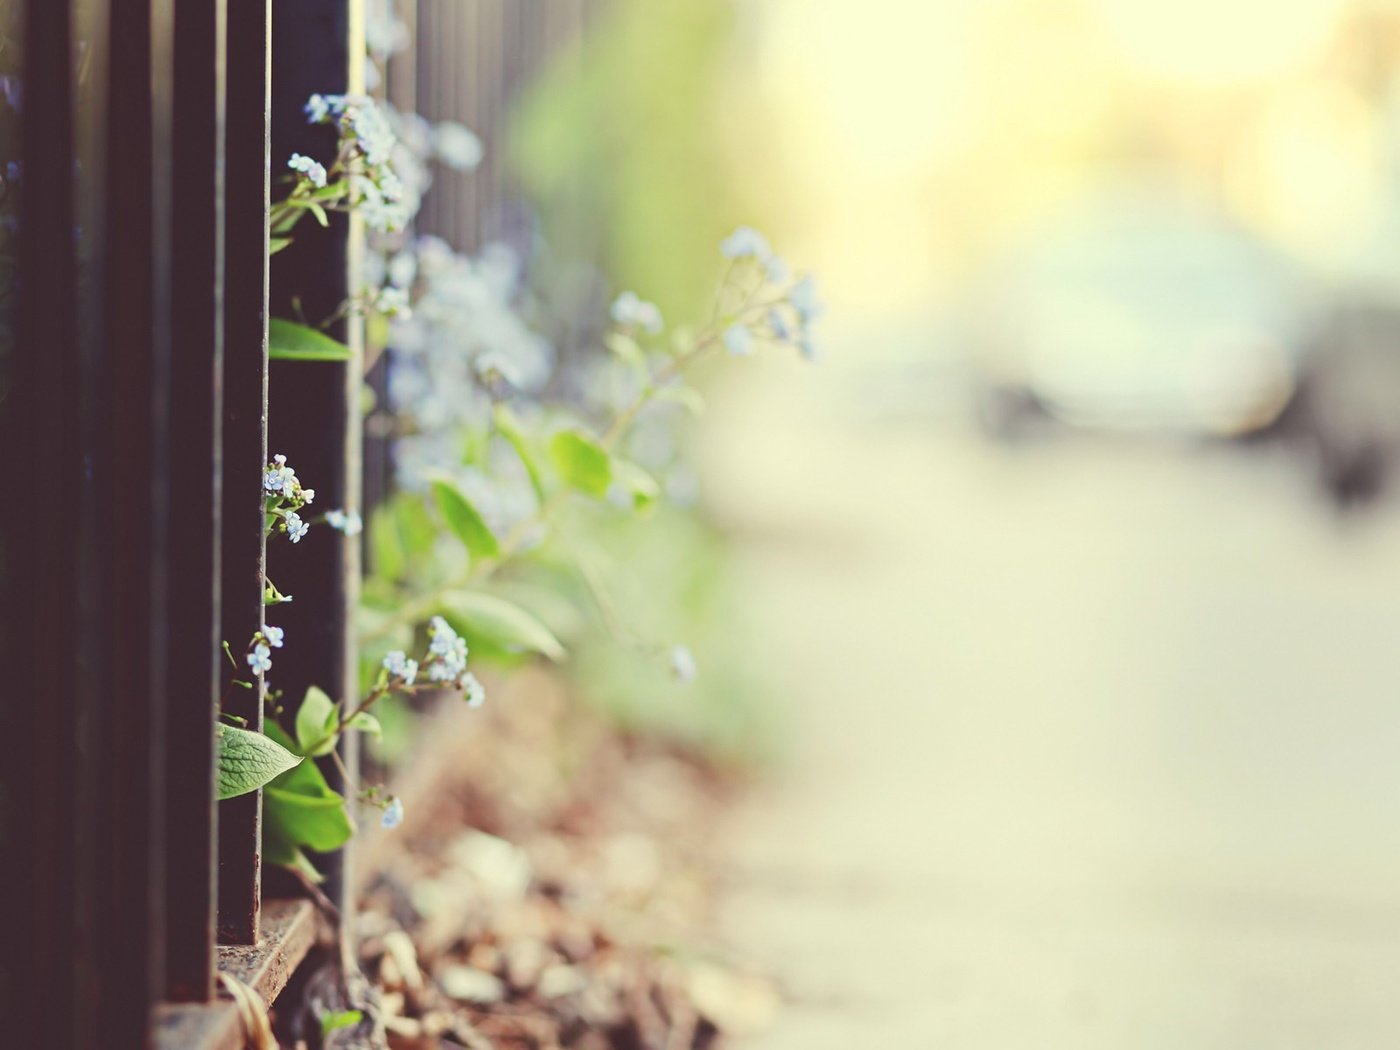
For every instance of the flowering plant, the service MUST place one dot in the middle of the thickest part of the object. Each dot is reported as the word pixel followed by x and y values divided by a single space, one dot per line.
pixel 501 455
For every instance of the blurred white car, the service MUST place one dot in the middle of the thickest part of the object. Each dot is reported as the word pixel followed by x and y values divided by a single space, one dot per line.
pixel 1139 311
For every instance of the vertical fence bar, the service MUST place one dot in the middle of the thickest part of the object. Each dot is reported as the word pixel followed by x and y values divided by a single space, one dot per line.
pixel 40 426
pixel 401 91
pixel 249 74
pixel 193 670
pixel 318 47
pixel 131 499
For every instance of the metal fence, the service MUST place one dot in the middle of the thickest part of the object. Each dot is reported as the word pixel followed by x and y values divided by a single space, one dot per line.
pixel 136 407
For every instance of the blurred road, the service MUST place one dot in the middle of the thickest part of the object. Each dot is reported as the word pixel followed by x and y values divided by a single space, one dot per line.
pixel 1094 744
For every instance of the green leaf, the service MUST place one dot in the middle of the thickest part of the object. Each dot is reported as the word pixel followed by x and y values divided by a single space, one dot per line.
pixel 637 481
pixel 509 427
pixel 502 623
pixel 366 723
pixel 581 462
pixel 317 718
pixel 301 811
pixel 386 554
pixel 277 244
pixel 306 821
pixel 465 521
pixel 682 340
pixel 680 394
pixel 290 341
pixel 343 1019
pixel 626 349
pixel 248 760
pixel 400 532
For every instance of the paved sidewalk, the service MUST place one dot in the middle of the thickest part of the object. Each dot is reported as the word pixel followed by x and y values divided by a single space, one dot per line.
pixel 1094 745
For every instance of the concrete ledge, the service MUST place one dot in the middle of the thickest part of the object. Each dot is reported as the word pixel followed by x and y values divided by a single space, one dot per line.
pixel 288 933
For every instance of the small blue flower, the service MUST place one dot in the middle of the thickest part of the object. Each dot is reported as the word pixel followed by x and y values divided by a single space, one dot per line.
pixel 456 146
pixel 777 269
pixel 393 814
pixel 738 340
pixel 296 528
pixel 746 243
pixel 782 331
pixel 633 311
pixel 311 170
pixel 400 667
pixel 393 302
pixel 475 691
pixel 346 521
pixel 683 665
pixel 260 659
pixel 318 108
pixel 280 478
pixel 805 301
pixel 273 636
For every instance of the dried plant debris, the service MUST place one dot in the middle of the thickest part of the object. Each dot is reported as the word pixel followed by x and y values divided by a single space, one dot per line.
pixel 554 895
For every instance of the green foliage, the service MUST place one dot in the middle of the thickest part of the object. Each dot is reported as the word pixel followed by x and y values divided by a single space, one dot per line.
pixel 317 719
pixel 465 521
pixel 686 396
pixel 638 482
pixel 509 428
pixel 492 624
pixel 248 760
pixel 401 534
pixel 669 579
pixel 301 812
pixel 581 462
pixel 344 1019
pixel 626 349
pixel 290 341
pixel 622 157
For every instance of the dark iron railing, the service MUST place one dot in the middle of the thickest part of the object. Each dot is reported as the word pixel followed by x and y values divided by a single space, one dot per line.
pixel 134 423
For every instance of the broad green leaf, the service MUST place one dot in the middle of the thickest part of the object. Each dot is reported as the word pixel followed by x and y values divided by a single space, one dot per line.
pixel 465 521
pixel 626 349
pixel 502 623
pixel 290 341
pixel 306 821
pixel 248 760
pixel 581 462
pixel 638 482
pixel 300 810
pixel 386 553
pixel 316 721
pixel 509 427
pixel 415 525
pixel 401 531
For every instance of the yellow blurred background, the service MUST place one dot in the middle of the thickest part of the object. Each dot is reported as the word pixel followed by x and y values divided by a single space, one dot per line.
pixel 1074 567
